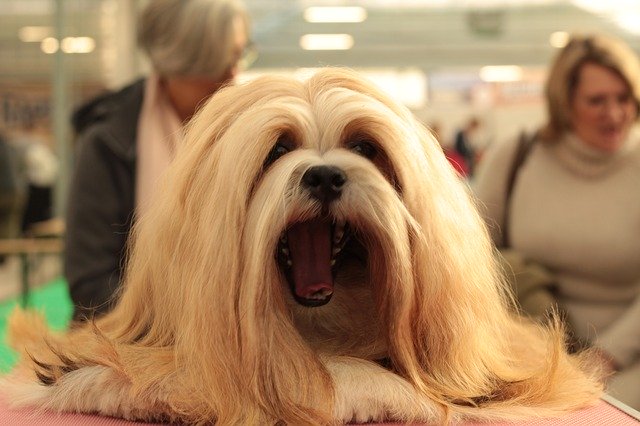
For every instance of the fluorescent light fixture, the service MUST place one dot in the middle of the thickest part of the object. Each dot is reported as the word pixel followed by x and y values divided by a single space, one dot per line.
pixel 326 41
pixel 335 14
pixel 49 45
pixel 559 39
pixel 36 34
pixel 78 44
pixel 501 73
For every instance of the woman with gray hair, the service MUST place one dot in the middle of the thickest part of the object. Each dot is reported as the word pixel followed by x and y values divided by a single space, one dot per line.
pixel 126 139
pixel 566 202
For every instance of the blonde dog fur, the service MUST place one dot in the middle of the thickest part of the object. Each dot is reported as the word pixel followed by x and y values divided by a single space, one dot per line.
pixel 419 326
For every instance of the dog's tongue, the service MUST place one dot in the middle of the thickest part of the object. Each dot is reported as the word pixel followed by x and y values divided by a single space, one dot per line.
pixel 310 252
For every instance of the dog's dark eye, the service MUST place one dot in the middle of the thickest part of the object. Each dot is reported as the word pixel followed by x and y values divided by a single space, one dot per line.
pixel 281 148
pixel 365 148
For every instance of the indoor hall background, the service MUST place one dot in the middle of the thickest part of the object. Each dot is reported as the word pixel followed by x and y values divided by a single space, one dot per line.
pixel 429 53
pixel 447 60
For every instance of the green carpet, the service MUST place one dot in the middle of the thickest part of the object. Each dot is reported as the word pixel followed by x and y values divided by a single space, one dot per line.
pixel 52 299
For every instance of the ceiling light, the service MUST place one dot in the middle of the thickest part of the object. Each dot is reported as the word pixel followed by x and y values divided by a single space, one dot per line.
pixel 78 44
pixel 326 41
pixel 34 34
pixel 49 45
pixel 335 14
pixel 559 39
pixel 501 73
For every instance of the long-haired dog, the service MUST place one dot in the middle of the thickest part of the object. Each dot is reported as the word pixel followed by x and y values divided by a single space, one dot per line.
pixel 311 258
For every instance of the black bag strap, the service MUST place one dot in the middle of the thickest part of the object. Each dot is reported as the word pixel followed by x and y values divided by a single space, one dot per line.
pixel 525 143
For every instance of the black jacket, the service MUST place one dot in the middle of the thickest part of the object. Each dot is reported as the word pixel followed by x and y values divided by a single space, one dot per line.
pixel 101 198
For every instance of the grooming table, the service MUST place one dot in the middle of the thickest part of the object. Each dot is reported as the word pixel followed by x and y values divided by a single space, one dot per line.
pixel 607 412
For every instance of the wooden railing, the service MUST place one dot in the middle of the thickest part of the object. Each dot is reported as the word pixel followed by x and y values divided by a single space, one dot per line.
pixel 24 246
pixel 44 238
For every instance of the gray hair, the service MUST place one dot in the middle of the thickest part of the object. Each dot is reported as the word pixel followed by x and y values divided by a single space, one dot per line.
pixel 190 37
pixel 599 49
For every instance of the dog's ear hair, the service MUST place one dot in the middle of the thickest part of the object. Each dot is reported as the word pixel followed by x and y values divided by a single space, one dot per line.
pixel 460 306
pixel 446 235
pixel 189 255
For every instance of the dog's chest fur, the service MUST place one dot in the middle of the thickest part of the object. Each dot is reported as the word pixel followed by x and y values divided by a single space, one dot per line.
pixel 349 324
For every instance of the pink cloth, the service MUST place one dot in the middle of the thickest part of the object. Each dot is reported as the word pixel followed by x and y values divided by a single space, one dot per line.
pixel 603 413
pixel 159 131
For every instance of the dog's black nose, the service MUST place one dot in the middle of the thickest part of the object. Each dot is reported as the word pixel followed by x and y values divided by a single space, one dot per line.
pixel 325 183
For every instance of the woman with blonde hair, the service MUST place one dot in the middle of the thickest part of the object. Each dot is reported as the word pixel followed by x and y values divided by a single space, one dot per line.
pixel 573 208
pixel 126 139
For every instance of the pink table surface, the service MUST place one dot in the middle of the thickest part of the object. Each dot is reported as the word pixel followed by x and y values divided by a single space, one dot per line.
pixel 607 412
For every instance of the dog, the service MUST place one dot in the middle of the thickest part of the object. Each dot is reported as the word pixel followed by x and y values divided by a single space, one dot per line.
pixel 311 258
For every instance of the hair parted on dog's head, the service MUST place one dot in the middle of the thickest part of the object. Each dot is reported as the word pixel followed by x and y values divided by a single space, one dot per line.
pixel 208 292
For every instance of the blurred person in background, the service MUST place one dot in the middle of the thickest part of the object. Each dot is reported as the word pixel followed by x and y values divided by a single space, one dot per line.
pixel 463 146
pixel 41 171
pixel 455 159
pixel 126 139
pixel 574 210
pixel 12 189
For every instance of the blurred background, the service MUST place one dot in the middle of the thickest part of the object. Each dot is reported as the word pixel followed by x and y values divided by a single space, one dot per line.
pixel 447 60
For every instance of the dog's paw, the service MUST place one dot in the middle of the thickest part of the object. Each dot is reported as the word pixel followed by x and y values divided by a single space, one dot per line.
pixel 366 392
pixel 94 389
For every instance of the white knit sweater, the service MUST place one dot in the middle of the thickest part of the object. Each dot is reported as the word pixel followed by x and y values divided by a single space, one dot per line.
pixel 576 210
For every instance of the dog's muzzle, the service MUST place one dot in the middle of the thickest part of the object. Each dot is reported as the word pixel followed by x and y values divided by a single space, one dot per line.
pixel 308 251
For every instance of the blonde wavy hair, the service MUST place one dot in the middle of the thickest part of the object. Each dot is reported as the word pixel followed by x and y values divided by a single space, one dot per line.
pixel 419 327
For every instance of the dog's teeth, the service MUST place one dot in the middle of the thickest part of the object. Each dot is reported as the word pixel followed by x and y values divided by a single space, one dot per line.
pixel 321 294
pixel 289 262
pixel 338 231
pixel 333 262
pixel 285 251
pixel 336 250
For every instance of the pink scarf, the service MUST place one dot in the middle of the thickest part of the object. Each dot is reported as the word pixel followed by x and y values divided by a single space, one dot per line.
pixel 159 131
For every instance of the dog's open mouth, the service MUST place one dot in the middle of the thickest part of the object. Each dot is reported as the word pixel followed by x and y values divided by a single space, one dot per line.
pixel 309 253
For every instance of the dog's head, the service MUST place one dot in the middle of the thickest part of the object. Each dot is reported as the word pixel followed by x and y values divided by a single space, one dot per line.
pixel 306 217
